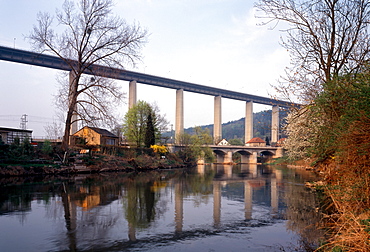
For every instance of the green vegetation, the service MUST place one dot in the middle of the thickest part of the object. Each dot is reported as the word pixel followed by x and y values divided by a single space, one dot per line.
pixel 17 152
pixel 195 146
pixel 337 142
pixel 328 42
pixel 143 124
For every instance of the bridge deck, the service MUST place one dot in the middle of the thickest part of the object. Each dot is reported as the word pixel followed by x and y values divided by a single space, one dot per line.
pixel 43 60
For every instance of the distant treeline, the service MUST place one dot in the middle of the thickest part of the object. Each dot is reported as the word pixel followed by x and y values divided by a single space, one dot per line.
pixel 261 126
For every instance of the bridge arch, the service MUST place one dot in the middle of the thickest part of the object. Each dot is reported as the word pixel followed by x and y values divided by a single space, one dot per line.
pixel 266 155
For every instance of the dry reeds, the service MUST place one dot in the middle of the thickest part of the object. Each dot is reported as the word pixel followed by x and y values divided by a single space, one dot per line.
pixel 348 180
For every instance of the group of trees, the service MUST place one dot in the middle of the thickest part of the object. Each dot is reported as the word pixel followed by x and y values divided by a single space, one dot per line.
pixel 195 146
pixel 143 125
pixel 329 44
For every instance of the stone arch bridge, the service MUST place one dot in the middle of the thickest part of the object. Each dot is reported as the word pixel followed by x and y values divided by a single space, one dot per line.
pixel 249 154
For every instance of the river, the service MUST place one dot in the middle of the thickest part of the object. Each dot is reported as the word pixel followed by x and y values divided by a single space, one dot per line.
pixel 206 208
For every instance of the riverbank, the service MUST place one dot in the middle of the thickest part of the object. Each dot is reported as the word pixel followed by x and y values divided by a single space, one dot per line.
pixel 95 164
pixel 344 194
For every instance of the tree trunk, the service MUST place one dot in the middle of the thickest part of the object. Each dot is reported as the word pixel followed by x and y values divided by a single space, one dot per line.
pixel 72 97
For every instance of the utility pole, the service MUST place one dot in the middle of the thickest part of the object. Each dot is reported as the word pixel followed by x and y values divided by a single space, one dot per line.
pixel 23 124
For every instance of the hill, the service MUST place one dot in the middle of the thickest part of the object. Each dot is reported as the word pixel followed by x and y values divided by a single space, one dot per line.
pixel 235 129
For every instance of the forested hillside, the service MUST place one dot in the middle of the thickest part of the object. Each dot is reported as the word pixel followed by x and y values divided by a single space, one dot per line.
pixel 261 126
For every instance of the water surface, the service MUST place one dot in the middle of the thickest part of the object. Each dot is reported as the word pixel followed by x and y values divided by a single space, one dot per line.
pixel 208 208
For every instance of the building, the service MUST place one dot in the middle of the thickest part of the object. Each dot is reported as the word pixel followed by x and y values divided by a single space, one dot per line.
pixel 8 135
pixel 256 142
pixel 223 142
pixel 95 136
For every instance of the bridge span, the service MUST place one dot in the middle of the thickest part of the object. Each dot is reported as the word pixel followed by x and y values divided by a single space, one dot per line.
pixel 48 61
pixel 249 154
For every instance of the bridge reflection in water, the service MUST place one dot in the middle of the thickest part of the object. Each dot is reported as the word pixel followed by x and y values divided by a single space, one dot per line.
pixel 252 179
pixel 215 205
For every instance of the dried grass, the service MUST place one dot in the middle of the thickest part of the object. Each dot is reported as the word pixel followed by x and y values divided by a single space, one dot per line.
pixel 348 180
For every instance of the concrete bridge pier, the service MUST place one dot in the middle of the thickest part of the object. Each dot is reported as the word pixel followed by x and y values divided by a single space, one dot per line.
pixel 179 121
pixel 275 124
pixel 132 94
pixel 248 134
pixel 217 126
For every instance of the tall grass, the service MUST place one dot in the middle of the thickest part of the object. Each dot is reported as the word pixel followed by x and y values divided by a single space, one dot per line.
pixel 348 188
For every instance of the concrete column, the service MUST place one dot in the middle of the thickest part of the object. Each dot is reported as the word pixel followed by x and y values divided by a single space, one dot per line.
pixel 72 83
pixel 248 197
pixel 248 134
pixel 132 94
pixel 217 126
pixel 275 124
pixel 179 121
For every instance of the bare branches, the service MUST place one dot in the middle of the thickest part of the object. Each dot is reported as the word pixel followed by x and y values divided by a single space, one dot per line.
pixel 325 38
pixel 88 33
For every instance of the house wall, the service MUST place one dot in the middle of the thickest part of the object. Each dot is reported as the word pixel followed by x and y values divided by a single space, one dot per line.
pixel 91 137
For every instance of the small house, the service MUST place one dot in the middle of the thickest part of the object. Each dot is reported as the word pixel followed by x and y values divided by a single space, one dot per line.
pixel 223 142
pixel 256 142
pixel 95 136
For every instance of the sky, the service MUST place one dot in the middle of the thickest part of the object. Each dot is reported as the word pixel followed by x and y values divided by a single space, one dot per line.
pixel 218 43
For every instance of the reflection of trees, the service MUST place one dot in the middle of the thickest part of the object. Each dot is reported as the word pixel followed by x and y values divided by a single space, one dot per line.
pixel 194 183
pixel 301 215
pixel 140 204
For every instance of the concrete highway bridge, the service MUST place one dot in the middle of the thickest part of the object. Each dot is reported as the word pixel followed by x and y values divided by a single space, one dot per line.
pixel 48 61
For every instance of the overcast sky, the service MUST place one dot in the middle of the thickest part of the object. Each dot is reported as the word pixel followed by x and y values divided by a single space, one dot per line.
pixel 209 42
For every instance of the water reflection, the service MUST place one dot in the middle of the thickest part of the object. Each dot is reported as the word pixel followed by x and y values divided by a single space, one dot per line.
pixel 160 210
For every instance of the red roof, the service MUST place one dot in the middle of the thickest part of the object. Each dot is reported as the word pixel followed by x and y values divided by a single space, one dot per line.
pixel 256 140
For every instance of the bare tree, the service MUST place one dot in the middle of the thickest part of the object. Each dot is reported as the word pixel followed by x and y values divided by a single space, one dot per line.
pixel 92 35
pixel 54 130
pixel 325 38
